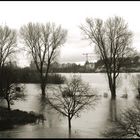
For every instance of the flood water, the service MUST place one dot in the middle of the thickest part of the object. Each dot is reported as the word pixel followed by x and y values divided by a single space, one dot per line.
pixel 90 124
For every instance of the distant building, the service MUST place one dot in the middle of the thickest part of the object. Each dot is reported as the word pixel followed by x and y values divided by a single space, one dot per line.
pixel 89 65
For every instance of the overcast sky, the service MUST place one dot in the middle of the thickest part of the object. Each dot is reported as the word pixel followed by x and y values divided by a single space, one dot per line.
pixel 70 14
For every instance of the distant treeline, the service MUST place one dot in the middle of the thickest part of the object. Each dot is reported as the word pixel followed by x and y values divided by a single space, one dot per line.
pixel 71 68
pixel 129 64
pixel 26 75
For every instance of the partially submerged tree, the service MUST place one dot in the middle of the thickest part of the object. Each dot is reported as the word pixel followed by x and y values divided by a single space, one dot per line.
pixel 112 42
pixel 9 90
pixel 43 42
pixel 127 125
pixel 7 48
pixel 72 98
pixel 7 45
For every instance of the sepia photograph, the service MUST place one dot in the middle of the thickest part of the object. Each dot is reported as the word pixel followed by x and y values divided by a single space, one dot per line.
pixel 69 69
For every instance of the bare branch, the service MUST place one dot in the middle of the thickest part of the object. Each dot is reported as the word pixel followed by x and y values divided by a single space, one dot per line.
pixel 43 42
pixel 112 39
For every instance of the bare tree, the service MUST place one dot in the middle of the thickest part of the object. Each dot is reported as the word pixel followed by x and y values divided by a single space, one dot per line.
pixel 43 42
pixel 10 91
pixel 72 98
pixel 7 43
pixel 7 48
pixel 127 125
pixel 112 42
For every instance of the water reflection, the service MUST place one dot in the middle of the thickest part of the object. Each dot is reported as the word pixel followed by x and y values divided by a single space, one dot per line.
pixel 113 110
pixel 45 109
pixel 42 104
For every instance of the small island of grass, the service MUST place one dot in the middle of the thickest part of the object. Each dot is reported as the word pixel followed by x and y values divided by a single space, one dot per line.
pixel 9 118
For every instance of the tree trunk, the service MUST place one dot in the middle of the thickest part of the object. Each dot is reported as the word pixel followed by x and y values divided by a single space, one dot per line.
pixel 113 92
pixel 112 86
pixel 43 87
pixel 69 123
pixel 8 103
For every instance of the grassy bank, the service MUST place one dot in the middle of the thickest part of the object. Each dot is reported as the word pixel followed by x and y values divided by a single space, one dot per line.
pixel 17 117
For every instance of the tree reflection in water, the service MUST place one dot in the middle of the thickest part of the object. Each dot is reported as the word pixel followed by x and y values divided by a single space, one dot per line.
pixel 113 110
